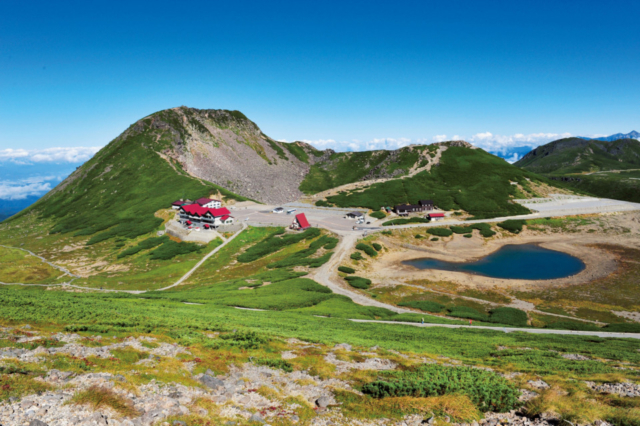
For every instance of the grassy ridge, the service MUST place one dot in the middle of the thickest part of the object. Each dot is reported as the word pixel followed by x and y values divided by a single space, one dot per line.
pixel 116 193
pixel 467 179
pixel 575 155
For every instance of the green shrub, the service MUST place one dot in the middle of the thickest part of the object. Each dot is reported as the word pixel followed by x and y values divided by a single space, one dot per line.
pixel 512 225
pixel 356 256
pixel 378 214
pixel 143 245
pixel 623 328
pixel 280 364
pixel 358 282
pixel 573 325
pixel 435 239
pixel 440 232
pixel 467 235
pixel 467 312
pixel 346 269
pixel 486 389
pixel 387 232
pixel 510 316
pixel 377 246
pixel 170 249
pixel 367 249
pixel 405 221
pixel 418 236
pixel 274 243
pixel 484 228
pixel 424 305
pixel 322 203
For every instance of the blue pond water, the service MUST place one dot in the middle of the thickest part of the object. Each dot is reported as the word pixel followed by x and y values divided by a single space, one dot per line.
pixel 524 261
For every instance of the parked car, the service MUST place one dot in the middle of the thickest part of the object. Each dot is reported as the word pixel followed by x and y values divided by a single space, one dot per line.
pixel 278 210
pixel 291 211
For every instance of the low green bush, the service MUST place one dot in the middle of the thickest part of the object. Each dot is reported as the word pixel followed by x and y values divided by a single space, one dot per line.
pixel 387 232
pixel 378 214
pixel 486 389
pixel 367 249
pixel 322 203
pixel 512 225
pixel 467 312
pixel 484 228
pixel 346 269
pixel 435 239
pixel 358 282
pixel 169 249
pixel 274 243
pixel 467 235
pixel 424 305
pixel 377 246
pixel 143 245
pixel 440 232
pixel 418 236
pixel 623 328
pixel 573 325
pixel 356 256
pixel 280 364
pixel 405 221
pixel 510 316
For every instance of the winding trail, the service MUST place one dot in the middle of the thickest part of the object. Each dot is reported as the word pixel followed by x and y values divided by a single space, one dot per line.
pixel 328 277
pixel 204 259
pixel 513 329
pixel 177 283
pixel 60 268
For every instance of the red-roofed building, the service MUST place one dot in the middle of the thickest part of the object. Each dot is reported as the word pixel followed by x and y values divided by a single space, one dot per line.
pixel 209 203
pixel 436 216
pixel 206 216
pixel 300 222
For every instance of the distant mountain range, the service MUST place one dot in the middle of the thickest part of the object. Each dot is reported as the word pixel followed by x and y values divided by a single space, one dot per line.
pixel 631 135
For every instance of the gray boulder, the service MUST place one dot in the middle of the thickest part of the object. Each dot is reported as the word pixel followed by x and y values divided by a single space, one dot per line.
pixel 211 382
pixel 323 402
pixel 36 422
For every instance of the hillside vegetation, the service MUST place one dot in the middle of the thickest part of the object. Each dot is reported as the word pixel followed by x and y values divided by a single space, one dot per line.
pixel 468 179
pixel 575 155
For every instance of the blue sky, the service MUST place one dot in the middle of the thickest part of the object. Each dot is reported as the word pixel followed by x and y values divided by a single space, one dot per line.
pixel 347 75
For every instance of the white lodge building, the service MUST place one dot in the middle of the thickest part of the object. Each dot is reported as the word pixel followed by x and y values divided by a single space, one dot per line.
pixel 209 203
pixel 208 217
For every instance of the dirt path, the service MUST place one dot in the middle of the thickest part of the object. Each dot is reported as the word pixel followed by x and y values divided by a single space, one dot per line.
pixel 327 275
pixel 177 283
pixel 60 268
pixel 513 329
pixel 204 259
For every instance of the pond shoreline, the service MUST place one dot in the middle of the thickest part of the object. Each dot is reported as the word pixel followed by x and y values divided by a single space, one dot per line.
pixel 510 261
pixel 389 267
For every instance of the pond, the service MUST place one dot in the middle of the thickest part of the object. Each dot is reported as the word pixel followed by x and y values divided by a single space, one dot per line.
pixel 514 261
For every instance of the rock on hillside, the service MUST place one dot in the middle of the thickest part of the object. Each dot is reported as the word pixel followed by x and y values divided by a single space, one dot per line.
pixel 228 149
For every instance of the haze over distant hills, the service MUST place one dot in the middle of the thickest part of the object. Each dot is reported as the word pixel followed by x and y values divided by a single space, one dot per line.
pixel 631 135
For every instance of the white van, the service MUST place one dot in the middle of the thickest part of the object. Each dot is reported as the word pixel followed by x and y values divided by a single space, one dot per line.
pixel 278 210
pixel 291 211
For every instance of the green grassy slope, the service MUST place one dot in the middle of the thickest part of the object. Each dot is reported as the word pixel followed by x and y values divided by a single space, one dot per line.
pixel 468 179
pixel 624 185
pixel 346 167
pixel 116 193
pixel 575 155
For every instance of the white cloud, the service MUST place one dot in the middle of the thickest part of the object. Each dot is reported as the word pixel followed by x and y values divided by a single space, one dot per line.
pixel 485 140
pixel 23 188
pixel 502 143
pixel 50 155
